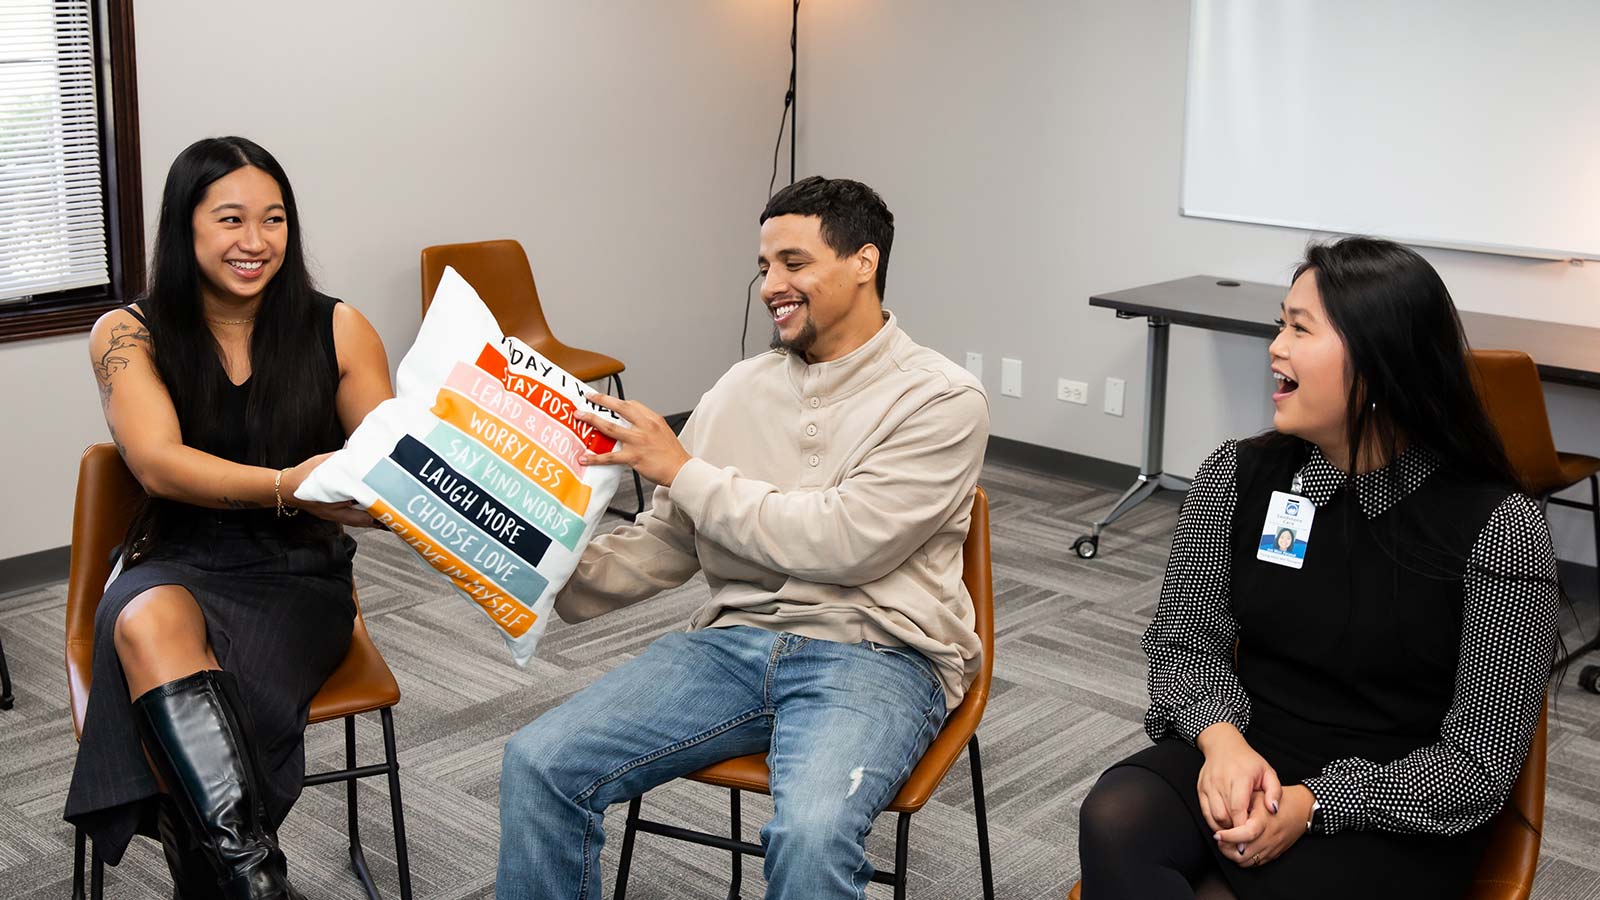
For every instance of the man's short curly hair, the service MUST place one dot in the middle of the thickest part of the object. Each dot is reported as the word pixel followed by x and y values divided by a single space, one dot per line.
pixel 853 215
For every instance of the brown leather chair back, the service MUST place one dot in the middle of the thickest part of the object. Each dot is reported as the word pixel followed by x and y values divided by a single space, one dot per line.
pixel 962 722
pixel 1508 384
pixel 499 272
pixel 1506 870
pixel 108 497
pixel 978 575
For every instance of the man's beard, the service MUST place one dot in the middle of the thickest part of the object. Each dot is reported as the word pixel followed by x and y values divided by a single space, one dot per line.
pixel 801 343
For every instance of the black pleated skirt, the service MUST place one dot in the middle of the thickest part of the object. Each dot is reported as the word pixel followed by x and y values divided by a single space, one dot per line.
pixel 279 613
pixel 1368 864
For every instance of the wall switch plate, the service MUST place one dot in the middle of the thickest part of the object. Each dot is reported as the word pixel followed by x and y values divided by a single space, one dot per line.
pixel 1011 377
pixel 1072 391
pixel 975 365
pixel 1115 388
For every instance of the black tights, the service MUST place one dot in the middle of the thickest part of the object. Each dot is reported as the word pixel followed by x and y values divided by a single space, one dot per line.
pixel 1136 840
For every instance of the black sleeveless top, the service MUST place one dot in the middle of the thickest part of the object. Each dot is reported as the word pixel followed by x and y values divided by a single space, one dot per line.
pixel 171 519
pixel 1399 673
pixel 1355 654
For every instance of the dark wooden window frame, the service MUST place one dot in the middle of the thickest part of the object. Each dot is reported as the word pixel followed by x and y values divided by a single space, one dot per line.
pixel 72 312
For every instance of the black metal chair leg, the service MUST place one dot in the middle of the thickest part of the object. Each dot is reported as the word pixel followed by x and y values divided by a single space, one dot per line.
pixel 5 674
pixel 358 855
pixel 638 486
pixel 77 863
pixel 902 839
pixel 402 855
pixel 1594 510
pixel 736 833
pixel 97 875
pixel 980 809
pixel 621 891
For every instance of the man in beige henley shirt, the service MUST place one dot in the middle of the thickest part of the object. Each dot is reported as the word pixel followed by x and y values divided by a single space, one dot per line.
pixel 824 489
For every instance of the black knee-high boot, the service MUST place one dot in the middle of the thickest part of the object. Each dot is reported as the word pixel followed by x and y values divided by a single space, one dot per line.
pixel 193 877
pixel 193 729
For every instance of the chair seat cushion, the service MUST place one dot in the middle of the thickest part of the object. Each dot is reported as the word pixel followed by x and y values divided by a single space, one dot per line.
pixel 744 773
pixel 750 773
pixel 584 365
pixel 362 683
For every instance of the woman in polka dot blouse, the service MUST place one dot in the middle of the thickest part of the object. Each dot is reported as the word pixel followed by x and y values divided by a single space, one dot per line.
pixel 1340 721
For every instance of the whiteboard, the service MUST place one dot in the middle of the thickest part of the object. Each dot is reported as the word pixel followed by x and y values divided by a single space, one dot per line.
pixel 1472 124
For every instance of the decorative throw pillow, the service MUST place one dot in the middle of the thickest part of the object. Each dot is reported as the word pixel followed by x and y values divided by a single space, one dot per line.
pixel 475 465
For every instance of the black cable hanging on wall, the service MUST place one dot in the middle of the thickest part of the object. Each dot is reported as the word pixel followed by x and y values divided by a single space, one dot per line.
pixel 791 118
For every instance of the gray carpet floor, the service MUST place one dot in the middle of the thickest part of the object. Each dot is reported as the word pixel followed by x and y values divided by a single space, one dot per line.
pixel 1068 698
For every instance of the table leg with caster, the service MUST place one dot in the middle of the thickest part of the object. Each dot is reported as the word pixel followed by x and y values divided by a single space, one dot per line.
pixel 1588 676
pixel 1589 679
pixel 1151 478
pixel 5 680
pixel 1088 546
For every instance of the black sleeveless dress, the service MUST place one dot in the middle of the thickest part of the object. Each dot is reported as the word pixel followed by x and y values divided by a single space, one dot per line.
pixel 1354 673
pixel 276 596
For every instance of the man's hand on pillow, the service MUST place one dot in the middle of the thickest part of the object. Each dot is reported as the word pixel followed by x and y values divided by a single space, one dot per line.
pixel 649 447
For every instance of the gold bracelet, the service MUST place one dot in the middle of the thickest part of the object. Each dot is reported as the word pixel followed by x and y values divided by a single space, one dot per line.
pixel 277 494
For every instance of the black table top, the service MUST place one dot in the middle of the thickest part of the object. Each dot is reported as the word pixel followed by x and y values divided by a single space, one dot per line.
pixel 1569 354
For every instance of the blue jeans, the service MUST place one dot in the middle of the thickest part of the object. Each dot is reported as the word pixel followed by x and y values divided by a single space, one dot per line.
pixel 842 726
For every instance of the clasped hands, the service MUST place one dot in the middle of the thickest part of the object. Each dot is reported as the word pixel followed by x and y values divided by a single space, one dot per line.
pixel 1253 817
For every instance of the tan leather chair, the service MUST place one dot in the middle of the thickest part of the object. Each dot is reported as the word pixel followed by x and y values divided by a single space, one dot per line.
pixel 108 497
pixel 499 272
pixel 749 773
pixel 1509 861
pixel 1508 383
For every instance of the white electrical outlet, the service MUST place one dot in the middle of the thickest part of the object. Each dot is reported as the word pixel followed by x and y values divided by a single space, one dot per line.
pixel 975 364
pixel 1011 377
pixel 1115 387
pixel 1072 391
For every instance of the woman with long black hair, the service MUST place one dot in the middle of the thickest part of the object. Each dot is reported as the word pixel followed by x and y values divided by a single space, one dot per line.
pixel 1342 720
pixel 223 387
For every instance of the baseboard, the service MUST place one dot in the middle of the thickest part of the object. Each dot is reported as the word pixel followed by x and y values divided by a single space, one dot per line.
pixel 31 570
pixel 1051 461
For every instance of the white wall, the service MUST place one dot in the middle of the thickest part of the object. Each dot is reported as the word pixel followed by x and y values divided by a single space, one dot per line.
pixel 626 145
pixel 1030 151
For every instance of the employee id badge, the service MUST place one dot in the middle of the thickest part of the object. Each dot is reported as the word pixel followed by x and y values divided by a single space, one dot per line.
pixel 1287 530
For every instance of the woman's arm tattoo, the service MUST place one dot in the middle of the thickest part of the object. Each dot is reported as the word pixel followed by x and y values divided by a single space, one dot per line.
pixel 124 337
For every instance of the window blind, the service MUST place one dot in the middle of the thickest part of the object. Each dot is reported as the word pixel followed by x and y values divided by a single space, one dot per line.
pixel 52 205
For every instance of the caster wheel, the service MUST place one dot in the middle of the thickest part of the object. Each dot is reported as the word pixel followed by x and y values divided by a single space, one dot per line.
pixel 1086 547
pixel 1589 679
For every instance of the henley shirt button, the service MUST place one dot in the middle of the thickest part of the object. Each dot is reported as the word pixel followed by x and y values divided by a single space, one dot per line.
pixel 811 431
pixel 815 403
pixel 814 460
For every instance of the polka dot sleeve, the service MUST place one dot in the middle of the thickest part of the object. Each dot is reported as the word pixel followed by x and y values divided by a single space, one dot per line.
pixel 1190 642
pixel 1508 636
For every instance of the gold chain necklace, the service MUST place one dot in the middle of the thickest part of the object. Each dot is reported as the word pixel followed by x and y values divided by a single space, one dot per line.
pixel 231 321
